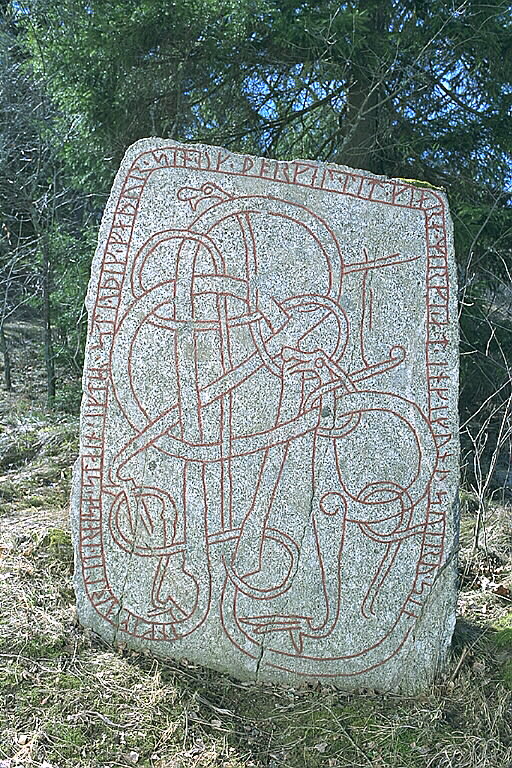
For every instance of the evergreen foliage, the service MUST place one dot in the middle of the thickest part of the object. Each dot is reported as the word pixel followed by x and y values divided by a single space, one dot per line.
pixel 415 89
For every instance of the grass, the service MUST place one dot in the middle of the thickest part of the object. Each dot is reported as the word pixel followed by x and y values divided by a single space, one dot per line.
pixel 69 701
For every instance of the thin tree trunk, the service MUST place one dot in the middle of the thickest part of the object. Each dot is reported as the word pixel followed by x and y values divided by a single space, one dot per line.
pixel 360 125
pixel 47 326
pixel 4 348
pixel 360 120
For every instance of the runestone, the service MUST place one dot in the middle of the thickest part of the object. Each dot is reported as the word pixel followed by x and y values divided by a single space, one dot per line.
pixel 268 471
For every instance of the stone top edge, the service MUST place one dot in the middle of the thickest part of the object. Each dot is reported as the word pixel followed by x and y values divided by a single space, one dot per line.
pixel 150 142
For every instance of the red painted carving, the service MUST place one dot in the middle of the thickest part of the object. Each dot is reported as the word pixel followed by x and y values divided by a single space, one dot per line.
pixel 321 401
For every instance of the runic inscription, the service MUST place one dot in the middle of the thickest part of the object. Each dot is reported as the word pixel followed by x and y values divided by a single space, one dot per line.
pixel 268 461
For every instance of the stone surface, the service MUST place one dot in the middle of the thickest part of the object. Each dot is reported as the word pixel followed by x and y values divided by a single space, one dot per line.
pixel 268 473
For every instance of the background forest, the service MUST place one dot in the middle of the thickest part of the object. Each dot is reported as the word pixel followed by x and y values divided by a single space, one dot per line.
pixel 415 89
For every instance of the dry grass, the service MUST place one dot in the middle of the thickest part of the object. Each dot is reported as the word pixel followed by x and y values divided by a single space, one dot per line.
pixel 68 700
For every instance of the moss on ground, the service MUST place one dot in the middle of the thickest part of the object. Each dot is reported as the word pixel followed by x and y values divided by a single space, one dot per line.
pixel 502 640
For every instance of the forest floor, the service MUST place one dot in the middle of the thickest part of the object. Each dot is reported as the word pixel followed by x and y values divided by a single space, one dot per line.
pixel 69 700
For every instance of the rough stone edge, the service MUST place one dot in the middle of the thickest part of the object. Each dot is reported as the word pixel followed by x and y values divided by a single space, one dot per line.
pixel 431 651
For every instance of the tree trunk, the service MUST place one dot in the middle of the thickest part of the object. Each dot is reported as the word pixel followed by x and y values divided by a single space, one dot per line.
pixel 360 126
pixel 4 348
pixel 360 120
pixel 47 326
